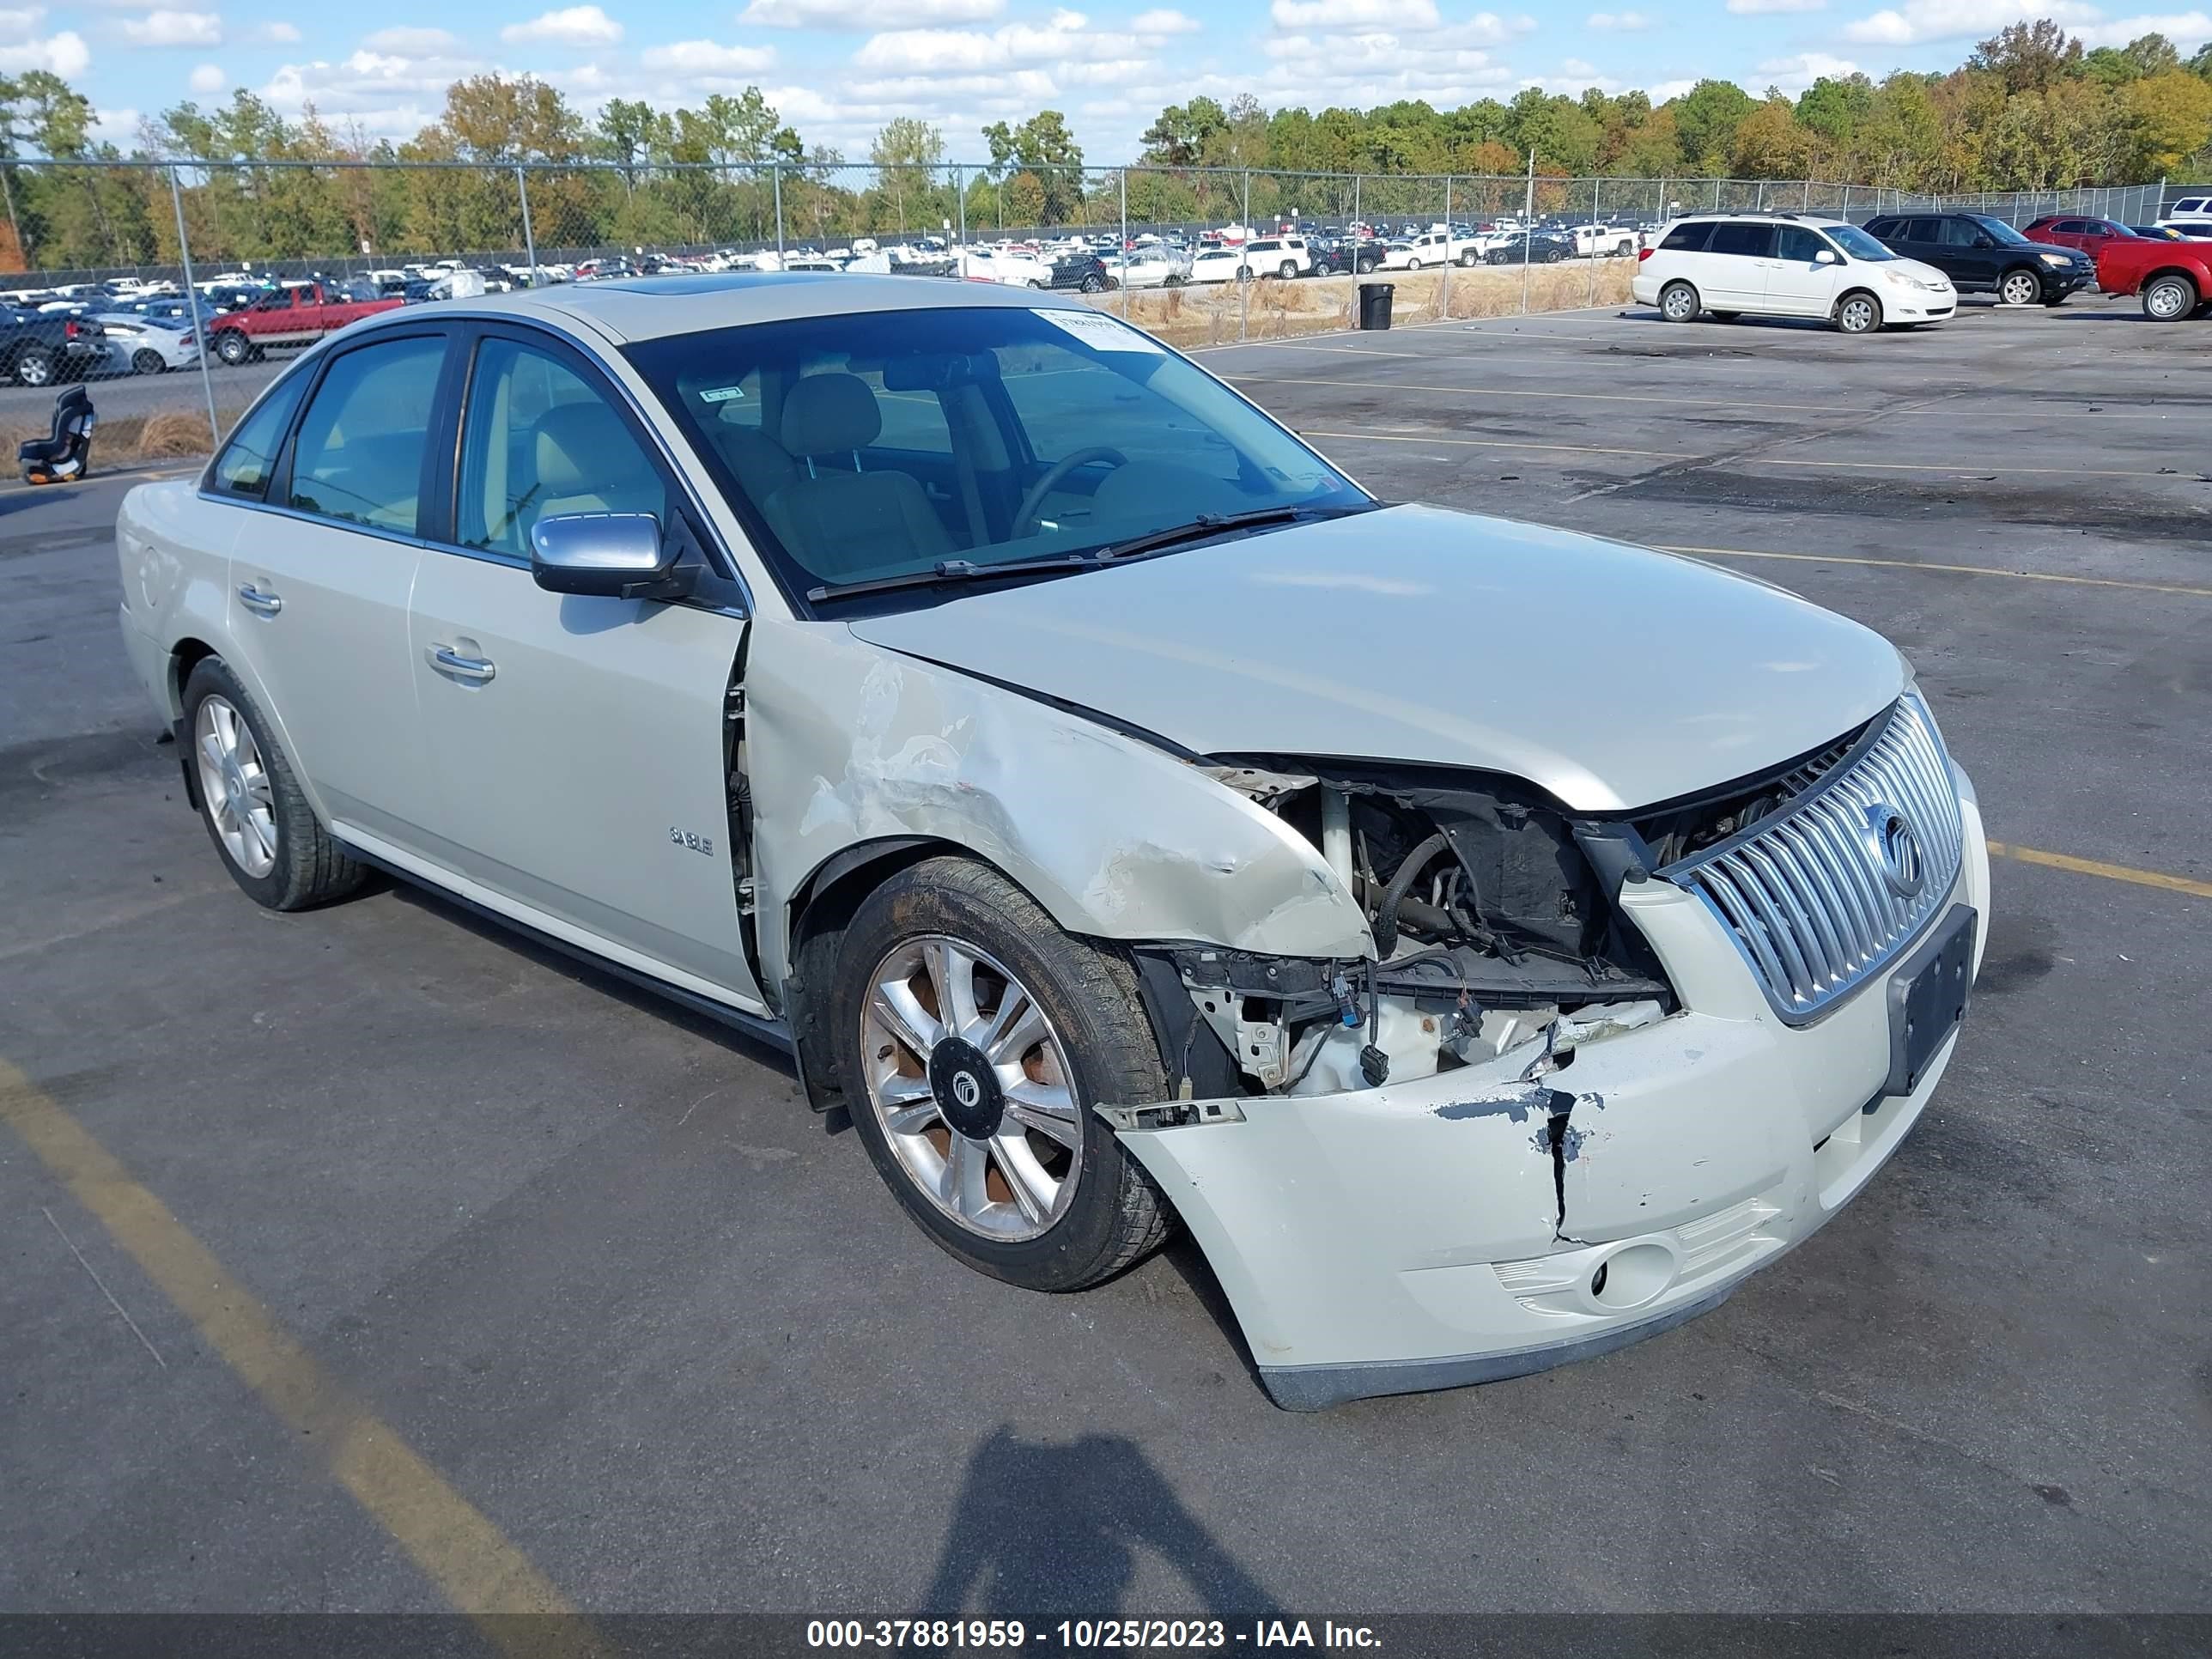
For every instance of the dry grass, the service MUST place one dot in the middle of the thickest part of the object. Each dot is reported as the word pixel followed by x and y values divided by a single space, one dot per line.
pixel 1220 313
pixel 168 433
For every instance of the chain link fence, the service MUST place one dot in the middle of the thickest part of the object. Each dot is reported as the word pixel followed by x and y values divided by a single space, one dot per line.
pixel 182 287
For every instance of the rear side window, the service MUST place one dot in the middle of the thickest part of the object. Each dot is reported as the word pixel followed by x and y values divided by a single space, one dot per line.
pixel 250 457
pixel 2188 204
pixel 1690 237
pixel 1738 237
pixel 359 454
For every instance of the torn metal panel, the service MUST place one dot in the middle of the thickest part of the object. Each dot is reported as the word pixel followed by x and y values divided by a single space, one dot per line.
pixel 914 749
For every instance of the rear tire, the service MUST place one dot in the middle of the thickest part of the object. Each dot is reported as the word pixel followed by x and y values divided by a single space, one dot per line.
pixel 2169 298
pixel 34 366
pixel 147 361
pixel 232 347
pixel 269 837
pixel 950 922
pixel 1287 269
pixel 1679 303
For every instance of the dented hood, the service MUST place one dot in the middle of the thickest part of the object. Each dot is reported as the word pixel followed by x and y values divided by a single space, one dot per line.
pixel 1611 676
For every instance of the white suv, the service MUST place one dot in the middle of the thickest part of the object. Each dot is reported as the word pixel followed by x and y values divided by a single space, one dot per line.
pixel 1780 264
pixel 2191 215
pixel 1278 256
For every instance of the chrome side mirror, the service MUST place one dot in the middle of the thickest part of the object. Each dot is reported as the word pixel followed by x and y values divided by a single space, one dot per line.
pixel 620 556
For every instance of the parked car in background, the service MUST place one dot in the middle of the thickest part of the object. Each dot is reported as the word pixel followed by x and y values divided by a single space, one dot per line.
pixel 1434 247
pixel 291 317
pixel 1155 264
pixel 1783 265
pixel 2069 230
pixel 1084 272
pixel 1593 240
pixel 1218 263
pixel 37 351
pixel 2169 233
pixel 2192 214
pixel 1981 254
pixel 1542 247
pixel 2174 279
pixel 1335 256
pixel 1006 265
pixel 148 346
pixel 1277 256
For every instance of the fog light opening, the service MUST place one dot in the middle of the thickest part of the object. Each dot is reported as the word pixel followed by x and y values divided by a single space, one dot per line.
pixel 1632 1276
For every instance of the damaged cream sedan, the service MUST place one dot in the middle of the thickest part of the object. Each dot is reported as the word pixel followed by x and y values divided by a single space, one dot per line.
pixel 1491 944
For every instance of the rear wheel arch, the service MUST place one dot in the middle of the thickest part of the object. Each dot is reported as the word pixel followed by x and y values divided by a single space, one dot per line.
pixel 185 656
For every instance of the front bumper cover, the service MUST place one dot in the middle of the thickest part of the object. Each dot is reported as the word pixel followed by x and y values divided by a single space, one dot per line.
pixel 1471 1226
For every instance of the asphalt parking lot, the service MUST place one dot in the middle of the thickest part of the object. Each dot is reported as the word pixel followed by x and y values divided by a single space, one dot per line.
pixel 369 1259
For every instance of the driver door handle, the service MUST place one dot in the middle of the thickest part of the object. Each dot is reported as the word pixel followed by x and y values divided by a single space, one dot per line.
pixel 446 660
pixel 261 604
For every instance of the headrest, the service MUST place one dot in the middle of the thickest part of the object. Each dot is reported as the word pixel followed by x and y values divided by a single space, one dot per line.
pixel 830 414
pixel 576 444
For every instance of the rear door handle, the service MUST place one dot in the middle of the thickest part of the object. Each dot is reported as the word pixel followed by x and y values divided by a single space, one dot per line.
pixel 445 658
pixel 261 604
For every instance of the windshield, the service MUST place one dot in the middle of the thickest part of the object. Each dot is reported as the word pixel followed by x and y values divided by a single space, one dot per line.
pixel 1856 243
pixel 2006 236
pixel 877 444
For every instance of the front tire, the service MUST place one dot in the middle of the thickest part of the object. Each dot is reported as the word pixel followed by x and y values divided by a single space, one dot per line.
pixel 147 361
pixel 1858 313
pixel 1094 283
pixel 2021 287
pixel 1287 269
pixel 975 1038
pixel 269 838
pixel 2168 299
pixel 1679 303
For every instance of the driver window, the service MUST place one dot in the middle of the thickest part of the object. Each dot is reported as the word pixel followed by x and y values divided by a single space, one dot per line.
pixel 1797 244
pixel 540 439
pixel 1962 233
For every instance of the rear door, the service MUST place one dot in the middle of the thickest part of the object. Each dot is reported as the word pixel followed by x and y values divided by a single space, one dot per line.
pixel 1737 263
pixel 321 578
pixel 581 746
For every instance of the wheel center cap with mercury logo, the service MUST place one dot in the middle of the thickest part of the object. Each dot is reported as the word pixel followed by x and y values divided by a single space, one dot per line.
pixel 966 1089
pixel 1896 847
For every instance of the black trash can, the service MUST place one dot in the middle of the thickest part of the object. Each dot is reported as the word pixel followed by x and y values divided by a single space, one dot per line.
pixel 1375 304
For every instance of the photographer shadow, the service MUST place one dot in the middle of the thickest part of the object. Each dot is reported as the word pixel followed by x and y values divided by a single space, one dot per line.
pixel 1054 1529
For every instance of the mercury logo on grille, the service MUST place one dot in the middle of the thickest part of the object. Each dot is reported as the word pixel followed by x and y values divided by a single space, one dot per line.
pixel 1896 847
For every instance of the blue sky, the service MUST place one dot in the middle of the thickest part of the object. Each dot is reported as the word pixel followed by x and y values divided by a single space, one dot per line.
pixel 838 69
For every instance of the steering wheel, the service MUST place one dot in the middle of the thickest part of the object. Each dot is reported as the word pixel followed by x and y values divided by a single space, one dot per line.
pixel 1025 516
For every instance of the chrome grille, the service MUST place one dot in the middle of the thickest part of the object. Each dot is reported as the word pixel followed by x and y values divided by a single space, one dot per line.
pixel 1809 894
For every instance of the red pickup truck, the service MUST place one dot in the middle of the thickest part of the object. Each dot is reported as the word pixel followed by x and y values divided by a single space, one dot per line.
pixel 290 316
pixel 2174 278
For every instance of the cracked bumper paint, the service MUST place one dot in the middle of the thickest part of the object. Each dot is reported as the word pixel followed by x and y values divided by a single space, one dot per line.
pixel 1411 1237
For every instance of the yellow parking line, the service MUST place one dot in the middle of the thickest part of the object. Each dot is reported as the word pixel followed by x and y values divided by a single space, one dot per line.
pixel 1954 570
pixel 461 1552
pixel 1492 443
pixel 2157 879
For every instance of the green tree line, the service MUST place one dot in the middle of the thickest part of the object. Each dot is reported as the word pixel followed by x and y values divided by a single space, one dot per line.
pixel 2029 109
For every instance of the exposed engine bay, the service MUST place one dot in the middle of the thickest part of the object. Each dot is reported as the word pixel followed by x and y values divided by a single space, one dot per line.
pixel 1493 926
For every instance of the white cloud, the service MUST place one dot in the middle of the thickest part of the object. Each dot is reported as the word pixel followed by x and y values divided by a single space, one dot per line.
pixel 706 59
pixel 1067 38
pixel 118 127
pixel 1918 21
pixel 14 25
pixel 1619 22
pixel 859 14
pixel 1668 90
pixel 1356 14
pixel 172 28
pixel 571 26
pixel 1762 8
pixel 1799 70
pixel 2186 29
pixel 208 78
pixel 64 54
pixel 383 95
pixel 1576 66
pixel 1164 21
pixel 411 42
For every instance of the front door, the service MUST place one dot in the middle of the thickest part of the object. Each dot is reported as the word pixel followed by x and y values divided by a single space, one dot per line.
pixel 319 586
pixel 1798 282
pixel 579 743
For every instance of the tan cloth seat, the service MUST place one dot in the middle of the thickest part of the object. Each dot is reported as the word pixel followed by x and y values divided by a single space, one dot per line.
pixel 588 462
pixel 841 522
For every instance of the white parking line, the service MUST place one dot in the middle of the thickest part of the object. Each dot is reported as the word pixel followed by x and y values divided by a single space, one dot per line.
pixel 1495 443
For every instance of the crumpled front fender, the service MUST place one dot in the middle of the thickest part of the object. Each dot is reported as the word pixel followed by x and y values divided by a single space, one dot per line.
pixel 849 743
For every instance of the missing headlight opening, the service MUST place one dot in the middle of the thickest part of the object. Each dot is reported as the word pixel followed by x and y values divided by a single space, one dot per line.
pixel 1494 927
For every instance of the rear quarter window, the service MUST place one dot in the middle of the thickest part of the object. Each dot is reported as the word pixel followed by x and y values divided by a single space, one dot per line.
pixel 244 467
pixel 1689 238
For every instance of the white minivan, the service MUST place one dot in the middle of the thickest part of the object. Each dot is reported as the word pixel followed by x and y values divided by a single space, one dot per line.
pixel 1782 264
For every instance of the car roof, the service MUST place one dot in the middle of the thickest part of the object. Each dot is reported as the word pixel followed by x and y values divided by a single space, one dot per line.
pixel 653 308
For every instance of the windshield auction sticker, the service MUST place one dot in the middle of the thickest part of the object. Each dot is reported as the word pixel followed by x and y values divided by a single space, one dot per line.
pixel 1101 333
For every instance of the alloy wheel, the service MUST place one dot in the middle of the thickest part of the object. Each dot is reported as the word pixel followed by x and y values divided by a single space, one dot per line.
pixel 2021 289
pixel 1857 314
pixel 1679 304
pixel 972 1087
pixel 235 785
